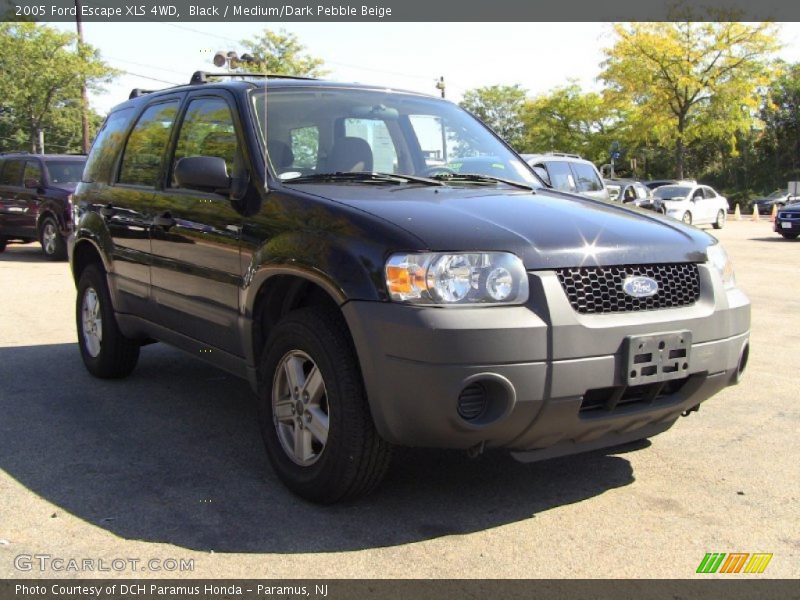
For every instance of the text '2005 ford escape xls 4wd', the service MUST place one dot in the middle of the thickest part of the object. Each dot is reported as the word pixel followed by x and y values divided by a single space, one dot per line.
pixel 309 236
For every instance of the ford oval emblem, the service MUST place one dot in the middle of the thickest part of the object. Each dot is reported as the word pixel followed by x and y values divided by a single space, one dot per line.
pixel 640 287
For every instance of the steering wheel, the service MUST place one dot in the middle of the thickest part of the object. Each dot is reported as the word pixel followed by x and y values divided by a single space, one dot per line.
pixel 436 170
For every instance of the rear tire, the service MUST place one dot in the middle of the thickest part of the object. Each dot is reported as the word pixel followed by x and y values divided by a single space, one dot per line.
pixel 54 246
pixel 720 222
pixel 106 352
pixel 687 218
pixel 309 370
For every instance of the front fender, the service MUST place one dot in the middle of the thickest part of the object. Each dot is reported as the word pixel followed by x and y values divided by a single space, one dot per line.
pixel 91 229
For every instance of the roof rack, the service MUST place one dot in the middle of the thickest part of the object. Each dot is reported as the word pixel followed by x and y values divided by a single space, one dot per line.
pixel 199 77
pixel 564 154
pixel 136 92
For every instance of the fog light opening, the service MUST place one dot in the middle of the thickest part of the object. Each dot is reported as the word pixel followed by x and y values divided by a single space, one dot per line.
pixel 485 399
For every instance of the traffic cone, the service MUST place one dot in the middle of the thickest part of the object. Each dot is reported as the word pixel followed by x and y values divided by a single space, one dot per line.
pixel 737 214
pixel 774 213
pixel 755 214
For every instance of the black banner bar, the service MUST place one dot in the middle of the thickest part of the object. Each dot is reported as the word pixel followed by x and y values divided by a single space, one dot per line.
pixel 744 587
pixel 401 10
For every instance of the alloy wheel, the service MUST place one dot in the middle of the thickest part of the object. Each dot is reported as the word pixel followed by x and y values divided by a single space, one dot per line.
pixel 92 322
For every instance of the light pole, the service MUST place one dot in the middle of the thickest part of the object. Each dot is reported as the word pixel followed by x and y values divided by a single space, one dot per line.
pixel 440 85
pixel 84 96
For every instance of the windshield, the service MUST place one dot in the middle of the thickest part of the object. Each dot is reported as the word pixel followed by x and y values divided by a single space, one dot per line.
pixel 671 191
pixel 777 194
pixel 67 171
pixel 312 132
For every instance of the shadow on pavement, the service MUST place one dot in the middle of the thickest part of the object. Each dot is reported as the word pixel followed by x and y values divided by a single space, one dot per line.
pixel 173 454
pixel 23 253
pixel 774 238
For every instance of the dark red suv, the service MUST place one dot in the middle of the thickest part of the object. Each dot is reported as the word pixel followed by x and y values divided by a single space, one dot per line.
pixel 36 199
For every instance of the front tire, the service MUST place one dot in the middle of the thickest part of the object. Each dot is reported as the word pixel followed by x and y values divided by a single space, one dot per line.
pixel 54 247
pixel 687 218
pixel 313 411
pixel 106 352
pixel 720 222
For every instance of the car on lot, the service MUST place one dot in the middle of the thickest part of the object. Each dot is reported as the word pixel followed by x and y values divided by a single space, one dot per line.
pixel 777 199
pixel 569 173
pixel 693 204
pixel 373 300
pixel 629 191
pixel 787 221
pixel 35 199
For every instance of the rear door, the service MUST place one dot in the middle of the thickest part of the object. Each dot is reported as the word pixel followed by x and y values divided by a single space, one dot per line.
pixel 130 203
pixel 13 207
pixel 196 270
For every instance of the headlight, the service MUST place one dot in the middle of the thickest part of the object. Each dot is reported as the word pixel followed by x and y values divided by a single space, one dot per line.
pixel 457 279
pixel 718 258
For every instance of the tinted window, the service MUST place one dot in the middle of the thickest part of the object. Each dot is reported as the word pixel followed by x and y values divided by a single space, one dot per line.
pixel 672 191
pixel 208 130
pixel 12 173
pixel 66 171
pixel 33 172
pixel 144 151
pixel 107 145
pixel 561 177
pixel 586 178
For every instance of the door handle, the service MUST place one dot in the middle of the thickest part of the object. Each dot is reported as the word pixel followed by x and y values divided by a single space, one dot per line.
pixel 164 220
pixel 107 211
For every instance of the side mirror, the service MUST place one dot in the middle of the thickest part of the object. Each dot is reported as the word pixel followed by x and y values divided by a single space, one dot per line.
pixel 32 183
pixel 203 173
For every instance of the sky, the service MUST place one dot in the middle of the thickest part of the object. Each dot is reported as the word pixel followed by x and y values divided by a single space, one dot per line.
pixel 412 56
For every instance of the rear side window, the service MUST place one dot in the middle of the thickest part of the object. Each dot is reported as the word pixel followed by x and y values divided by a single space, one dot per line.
pixel 106 147
pixel 305 146
pixel 12 173
pixel 586 178
pixel 709 193
pixel 561 177
pixel 33 172
pixel 144 151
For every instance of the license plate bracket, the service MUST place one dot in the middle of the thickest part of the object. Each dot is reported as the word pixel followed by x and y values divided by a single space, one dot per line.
pixel 657 357
pixel 786 225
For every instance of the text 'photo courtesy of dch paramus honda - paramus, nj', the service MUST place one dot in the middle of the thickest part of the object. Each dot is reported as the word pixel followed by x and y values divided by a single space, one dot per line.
pixel 294 232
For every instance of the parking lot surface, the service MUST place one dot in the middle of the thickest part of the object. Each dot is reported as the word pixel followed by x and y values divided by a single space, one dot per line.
pixel 168 464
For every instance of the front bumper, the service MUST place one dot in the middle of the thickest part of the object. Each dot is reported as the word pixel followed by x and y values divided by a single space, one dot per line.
pixel 545 362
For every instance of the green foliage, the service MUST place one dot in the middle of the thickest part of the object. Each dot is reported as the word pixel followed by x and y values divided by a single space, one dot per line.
pixel 689 81
pixel 281 53
pixel 778 148
pixel 500 107
pixel 40 87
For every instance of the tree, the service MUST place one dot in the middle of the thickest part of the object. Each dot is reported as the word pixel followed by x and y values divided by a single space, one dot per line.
pixel 570 120
pixel 689 80
pixel 779 145
pixel 281 53
pixel 500 107
pixel 41 85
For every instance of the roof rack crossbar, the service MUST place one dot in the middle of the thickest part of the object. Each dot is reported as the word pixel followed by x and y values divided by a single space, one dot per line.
pixel 200 77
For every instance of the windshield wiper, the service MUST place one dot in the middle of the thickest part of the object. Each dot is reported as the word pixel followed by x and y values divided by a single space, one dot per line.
pixel 362 176
pixel 478 178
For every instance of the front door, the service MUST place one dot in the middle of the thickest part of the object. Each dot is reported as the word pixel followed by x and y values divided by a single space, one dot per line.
pixel 196 271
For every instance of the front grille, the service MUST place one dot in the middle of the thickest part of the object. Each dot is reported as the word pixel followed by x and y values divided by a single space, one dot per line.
pixel 593 290
pixel 789 215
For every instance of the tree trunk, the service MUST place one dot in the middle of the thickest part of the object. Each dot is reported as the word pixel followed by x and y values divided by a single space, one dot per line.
pixel 679 149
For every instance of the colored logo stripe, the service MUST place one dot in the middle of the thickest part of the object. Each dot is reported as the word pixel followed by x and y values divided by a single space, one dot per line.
pixel 734 563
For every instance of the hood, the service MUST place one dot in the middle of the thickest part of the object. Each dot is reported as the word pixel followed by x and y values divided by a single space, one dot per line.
pixel 546 230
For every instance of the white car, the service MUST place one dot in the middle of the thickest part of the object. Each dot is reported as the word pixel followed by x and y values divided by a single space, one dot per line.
pixel 691 203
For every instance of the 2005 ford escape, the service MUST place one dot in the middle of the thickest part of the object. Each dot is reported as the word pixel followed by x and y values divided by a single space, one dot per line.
pixel 385 271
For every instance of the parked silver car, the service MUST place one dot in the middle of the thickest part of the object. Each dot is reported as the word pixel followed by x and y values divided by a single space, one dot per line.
pixel 569 173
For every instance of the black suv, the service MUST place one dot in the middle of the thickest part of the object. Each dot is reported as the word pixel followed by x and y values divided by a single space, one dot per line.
pixel 35 199
pixel 373 299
